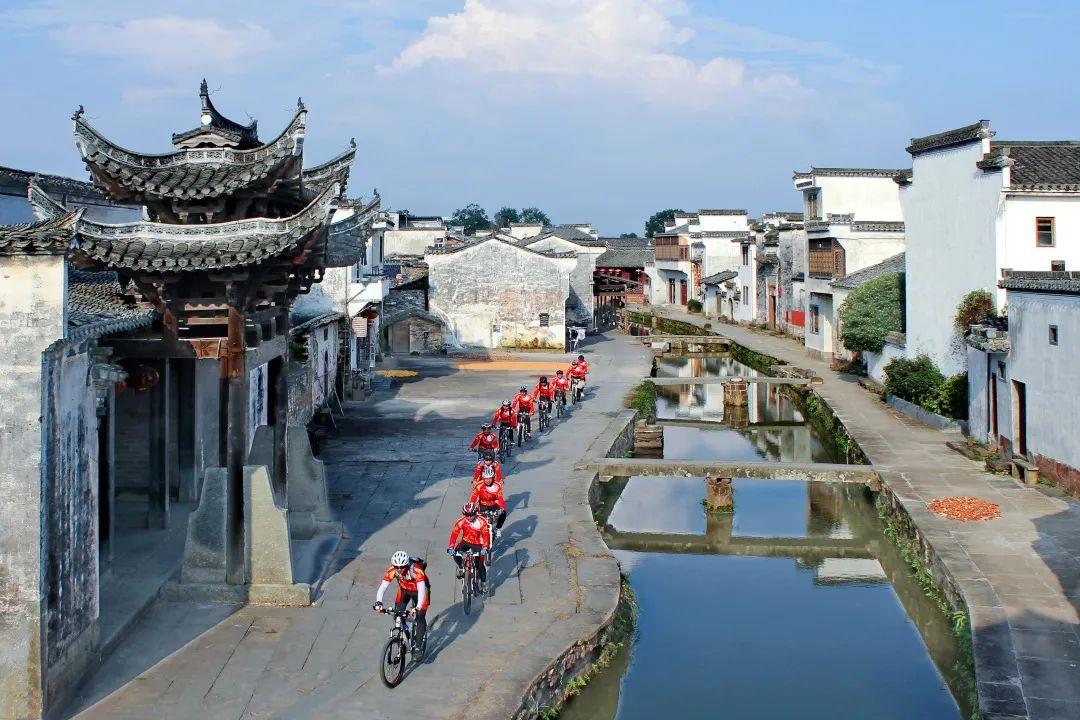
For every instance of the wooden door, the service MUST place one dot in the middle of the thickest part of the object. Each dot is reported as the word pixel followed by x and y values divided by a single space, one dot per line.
pixel 682 292
pixel 1020 417
pixel 399 338
pixel 671 291
pixel 993 408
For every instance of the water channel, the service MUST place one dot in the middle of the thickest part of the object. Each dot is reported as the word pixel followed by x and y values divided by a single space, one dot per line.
pixel 695 427
pixel 793 606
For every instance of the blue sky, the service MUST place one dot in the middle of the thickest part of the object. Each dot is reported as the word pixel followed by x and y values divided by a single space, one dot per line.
pixel 596 110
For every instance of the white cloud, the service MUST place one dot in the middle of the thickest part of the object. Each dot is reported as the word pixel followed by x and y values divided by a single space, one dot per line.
pixel 171 44
pixel 634 44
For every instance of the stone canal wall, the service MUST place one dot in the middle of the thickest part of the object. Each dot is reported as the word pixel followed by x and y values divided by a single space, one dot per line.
pixel 590 557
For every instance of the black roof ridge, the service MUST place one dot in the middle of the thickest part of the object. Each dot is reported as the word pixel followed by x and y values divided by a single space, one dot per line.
pixel 974 132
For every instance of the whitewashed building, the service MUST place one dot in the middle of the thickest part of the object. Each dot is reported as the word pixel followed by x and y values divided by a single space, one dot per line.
pixel 1023 384
pixel 973 206
pixel 894 344
pixel 852 220
pixel 583 242
pixel 412 234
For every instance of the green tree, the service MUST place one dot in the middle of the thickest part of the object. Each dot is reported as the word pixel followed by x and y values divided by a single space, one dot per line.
pixel 472 217
pixel 655 223
pixel 505 216
pixel 871 312
pixel 628 235
pixel 535 215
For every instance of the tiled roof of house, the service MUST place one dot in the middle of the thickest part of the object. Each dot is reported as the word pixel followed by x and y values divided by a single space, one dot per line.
pixel 473 242
pixel 625 257
pixel 1037 165
pixel 722 276
pixel 56 184
pixel 627 242
pixel 894 264
pixel 1046 281
pixel 571 233
pixel 951 138
pixel 845 172
pixel 721 212
pixel 48 237
pixel 97 306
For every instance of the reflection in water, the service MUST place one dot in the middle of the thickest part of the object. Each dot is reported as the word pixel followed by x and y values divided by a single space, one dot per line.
pixel 811 631
pixel 776 429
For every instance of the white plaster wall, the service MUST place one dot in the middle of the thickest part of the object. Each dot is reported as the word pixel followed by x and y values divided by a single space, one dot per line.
pixel 411 241
pixel 876 362
pixel 1020 250
pixel 723 223
pixel 1051 373
pixel 720 254
pixel 870 198
pixel 978 398
pixel 746 308
pixel 821 341
pixel 865 249
pixel 951 217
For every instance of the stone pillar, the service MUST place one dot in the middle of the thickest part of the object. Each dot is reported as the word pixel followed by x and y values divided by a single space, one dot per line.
pixel 158 474
pixel 736 403
pixel 719 494
pixel 31 319
pixel 204 551
pixel 279 377
pixel 206 403
pixel 109 453
pixel 185 431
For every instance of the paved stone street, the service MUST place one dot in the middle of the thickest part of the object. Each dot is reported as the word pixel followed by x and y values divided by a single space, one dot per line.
pixel 1020 574
pixel 399 473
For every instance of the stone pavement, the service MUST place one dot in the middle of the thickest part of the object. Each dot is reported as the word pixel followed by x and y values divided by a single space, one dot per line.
pixel 399 472
pixel 1020 574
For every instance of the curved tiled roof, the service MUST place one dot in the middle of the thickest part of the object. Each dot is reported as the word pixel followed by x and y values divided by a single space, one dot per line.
pixel 186 174
pixel 48 237
pixel 722 276
pixel 96 306
pixel 1047 281
pixel 951 138
pixel 336 169
pixel 166 247
pixel 1051 166
pixel 242 136
pixel 625 257
pixel 345 238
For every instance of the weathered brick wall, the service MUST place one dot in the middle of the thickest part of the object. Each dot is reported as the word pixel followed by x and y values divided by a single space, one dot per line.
pixel 31 319
pixel 493 295
pixel 310 384
pixel 424 336
pixel 582 302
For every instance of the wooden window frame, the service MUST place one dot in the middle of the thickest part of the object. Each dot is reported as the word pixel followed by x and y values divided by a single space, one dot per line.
pixel 1057 266
pixel 1039 231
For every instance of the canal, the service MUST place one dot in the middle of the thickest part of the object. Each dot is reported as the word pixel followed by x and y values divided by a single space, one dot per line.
pixel 795 605
pixel 773 426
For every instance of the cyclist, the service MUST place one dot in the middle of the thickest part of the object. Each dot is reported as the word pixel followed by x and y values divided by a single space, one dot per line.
pixel 488 497
pixel 577 374
pixel 525 403
pixel 583 363
pixel 561 384
pixel 485 441
pixel 470 532
pixel 413 588
pixel 544 392
pixel 489 467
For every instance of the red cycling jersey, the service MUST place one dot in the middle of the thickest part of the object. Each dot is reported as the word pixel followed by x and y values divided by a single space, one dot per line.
pixel 485 441
pixel 584 364
pixel 482 470
pixel 544 392
pixel 504 416
pixel 577 372
pixel 561 383
pixel 474 532
pixel 410 582
pixel 524 402
pixel 489 495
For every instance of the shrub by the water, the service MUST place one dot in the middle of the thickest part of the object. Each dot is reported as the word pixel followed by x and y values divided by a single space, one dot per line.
pixel 871 312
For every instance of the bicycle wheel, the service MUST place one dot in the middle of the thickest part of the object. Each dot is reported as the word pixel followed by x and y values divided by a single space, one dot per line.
pixel 421 650
pixel 467 588
pixel 520 434
pixel 393 661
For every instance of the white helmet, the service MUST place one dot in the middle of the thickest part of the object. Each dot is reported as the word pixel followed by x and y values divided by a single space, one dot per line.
pixel 399 559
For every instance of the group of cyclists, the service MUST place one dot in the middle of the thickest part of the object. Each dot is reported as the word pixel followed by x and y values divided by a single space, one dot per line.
pixel 484 513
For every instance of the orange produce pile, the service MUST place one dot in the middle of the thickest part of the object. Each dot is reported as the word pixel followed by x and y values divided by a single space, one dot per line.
pixel 965 508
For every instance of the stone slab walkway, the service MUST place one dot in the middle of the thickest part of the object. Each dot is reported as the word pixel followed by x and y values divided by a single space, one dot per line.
pixel 399 472
pixel 1020 574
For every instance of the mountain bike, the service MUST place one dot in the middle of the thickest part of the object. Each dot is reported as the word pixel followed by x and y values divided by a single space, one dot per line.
pixel 545 414
pixel 522 414
pixel 574 397
pixel 506 441
pixel 470 579
pixel 401 642
pixel 492 517
pixel 579 391
pixel 560 403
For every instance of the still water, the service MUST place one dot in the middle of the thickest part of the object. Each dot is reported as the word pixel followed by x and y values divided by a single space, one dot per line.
pixel 773 427
pixel 794 606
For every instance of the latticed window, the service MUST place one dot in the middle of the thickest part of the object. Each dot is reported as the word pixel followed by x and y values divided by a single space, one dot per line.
pixel 826 258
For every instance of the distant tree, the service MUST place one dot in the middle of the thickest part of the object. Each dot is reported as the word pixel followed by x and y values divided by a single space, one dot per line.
pixel 472 217
pixel 655 223
pixel 976 307
pixel 505 216
pixel 534 215
pixel 629 235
